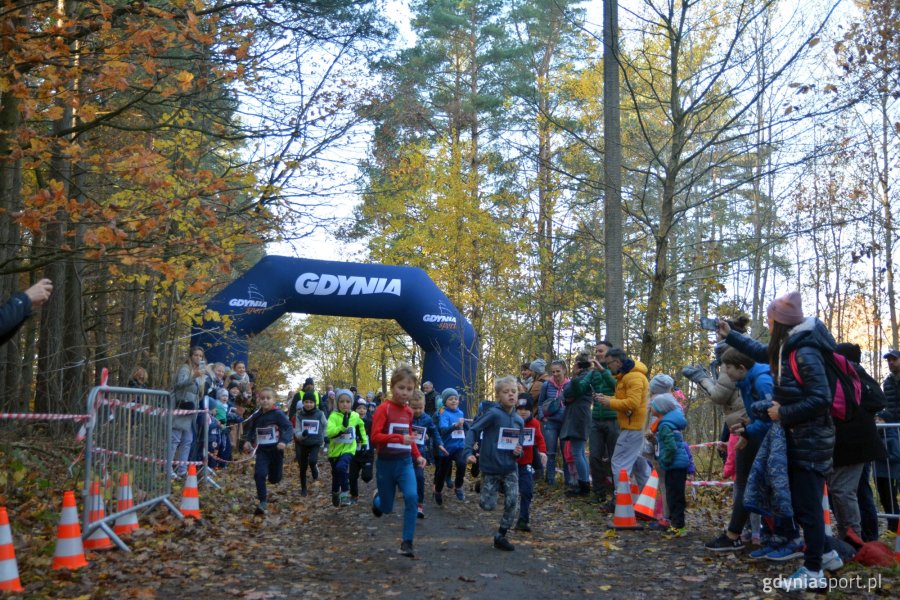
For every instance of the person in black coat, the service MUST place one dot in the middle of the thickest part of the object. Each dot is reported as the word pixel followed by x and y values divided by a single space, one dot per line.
pixel 19 307
pixel 804 412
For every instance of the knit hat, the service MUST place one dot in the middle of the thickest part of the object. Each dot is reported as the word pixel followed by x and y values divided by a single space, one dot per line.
pixel 221 393
pixel 661 384
pixel 787 309
pixel 664 403
pixel 538 366
pixel 339 393
pixel 360 402
pixel 370 395
pixel 309 396
pixel 524 401
pixel 447 393
pixel 309 381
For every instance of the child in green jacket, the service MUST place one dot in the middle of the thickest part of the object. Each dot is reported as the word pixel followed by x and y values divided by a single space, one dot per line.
pixel 345 427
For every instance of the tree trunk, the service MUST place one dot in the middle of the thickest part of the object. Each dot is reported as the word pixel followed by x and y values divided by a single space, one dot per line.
pixel 614 293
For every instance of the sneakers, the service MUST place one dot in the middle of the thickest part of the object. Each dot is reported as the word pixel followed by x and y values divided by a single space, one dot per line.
pixel 420 513
pixel 438 498
pixel 746 536
pixel 460 495
pixel 677 531
pixel 375 510
pixel 803 579
pixel 501 543
pixel 608 508
pixel 336 499
pixel 261 508
pixel 762 552
pixel 522 526
pixel 790 550
pixel 723 543
pixel 304 493
pixel 831 561
pixel 345 499
pixel 406 548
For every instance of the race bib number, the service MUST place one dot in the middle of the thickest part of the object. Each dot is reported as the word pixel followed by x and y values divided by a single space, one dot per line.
pixel 509 438
pixel 401 429
pixel 267 435
pixel 528 437
pixel 458 434
pixel 348 437
pixel 310 426
pixel 419 432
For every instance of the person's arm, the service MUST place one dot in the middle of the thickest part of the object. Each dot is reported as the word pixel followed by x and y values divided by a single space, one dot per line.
pixel 578 387
pixel 666 439
pixel 361 430
pixel 284 425
pixel 539 442
pixel 721 392
pixel 184 378
pixel 816 400
pixel 434 433
pixel 474 432
pixel 634 396
pixel 747 345
pixel 335 424
pixel 445 425
pixel 608 380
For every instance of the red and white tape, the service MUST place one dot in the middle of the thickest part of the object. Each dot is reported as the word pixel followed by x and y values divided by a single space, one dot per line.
pixel 710 483
pixel 155 461
pixel 42 417
pixel 707 445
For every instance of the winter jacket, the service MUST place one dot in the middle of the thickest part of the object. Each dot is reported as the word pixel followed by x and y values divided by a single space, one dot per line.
pixel 578 399
pixel 345 432
pixel 724 393
pixel 310 439
pixel 805 411
pixel 630 401
pixel 768 489
pixel 13 315
pixel 431 404
pixel 546 405
pixel 670 441
pixel 268 428
pixel 756 386
pixel 891 386
pixel 606 386
pixel 491 459
pixel 540 443
pixel 447 425
pixel 431 432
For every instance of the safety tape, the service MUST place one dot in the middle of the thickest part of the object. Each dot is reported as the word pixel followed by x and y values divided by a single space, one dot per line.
pixel 42 417
pixel 710 483
pixel 708 445
pixel 144 408
pixel 155 461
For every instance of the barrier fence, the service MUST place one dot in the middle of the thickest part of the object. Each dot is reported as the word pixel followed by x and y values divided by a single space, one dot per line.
pixel 128 435
pixel 881 474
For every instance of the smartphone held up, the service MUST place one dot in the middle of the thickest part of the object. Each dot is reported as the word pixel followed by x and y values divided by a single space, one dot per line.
pixel 708 323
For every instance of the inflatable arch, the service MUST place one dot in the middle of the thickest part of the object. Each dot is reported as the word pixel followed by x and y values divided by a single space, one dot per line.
pixel 279 284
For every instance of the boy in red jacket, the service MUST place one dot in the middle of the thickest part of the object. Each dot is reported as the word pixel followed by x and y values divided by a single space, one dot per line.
pixel 533 438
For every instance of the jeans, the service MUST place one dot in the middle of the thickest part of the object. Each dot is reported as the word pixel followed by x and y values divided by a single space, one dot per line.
pixel 307 456
pixel 269 463
pixel 675 483
pixel 868 513
pixel 581 463
pixel 180 448
pixel 603 443
pixel 420 483
pixel 390 474
pixel 842 486
pixel 551 436
pixel 807 488
pixel 340 473
pixel 490 488
pixel 526 492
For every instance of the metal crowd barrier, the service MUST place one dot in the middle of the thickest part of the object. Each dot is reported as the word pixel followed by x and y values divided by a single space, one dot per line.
pixel 128 434
pixel 890 437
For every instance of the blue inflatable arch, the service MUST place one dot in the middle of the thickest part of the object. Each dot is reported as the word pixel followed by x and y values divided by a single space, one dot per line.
pixel 279 284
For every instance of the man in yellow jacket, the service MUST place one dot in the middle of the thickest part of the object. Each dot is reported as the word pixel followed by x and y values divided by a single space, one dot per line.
pixel 630 402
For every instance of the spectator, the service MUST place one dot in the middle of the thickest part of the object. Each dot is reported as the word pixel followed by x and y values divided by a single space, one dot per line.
pixel 887 473
pixel 190 381
pixel 138 378
pixel 18 308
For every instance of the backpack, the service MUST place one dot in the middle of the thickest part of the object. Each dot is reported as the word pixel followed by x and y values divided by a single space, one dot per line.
pixel 846 387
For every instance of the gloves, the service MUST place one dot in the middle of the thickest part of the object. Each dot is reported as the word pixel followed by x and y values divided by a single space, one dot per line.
pixel 346 420
pixel 695 374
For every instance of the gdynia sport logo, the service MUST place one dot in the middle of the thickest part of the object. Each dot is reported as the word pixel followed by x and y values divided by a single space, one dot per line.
pixel 342 285
pixel 253 300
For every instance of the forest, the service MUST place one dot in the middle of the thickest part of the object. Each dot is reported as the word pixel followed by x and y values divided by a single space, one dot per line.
pixel 152 151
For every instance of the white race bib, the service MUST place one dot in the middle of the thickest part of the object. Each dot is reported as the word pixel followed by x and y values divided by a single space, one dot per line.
pixel 420 435
pixel 310 426
pixel 348 437
pixel 528 437
pixel 508 439
pixel 267 435
pixel 402 429
pixel 458 434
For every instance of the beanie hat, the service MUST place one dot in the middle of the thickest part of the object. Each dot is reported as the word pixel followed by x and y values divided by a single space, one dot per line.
pixel 339 393
pixel 309 381
pixel 524 401
pixel 447 393
pixel 309 396
pixel 360 402
pixel 538 366
pixel 787 309
pixel 661 384
pixel 221 393
pixel 664 403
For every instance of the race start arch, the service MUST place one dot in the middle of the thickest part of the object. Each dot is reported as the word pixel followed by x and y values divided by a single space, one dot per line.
pixel 279 284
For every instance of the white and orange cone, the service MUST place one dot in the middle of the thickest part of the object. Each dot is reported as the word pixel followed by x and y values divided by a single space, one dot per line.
pixel 190 497
pixel 98 540
pixel 645 507
pixel 826 510
pixel 69 553
pixel 624 515
pixel 124 501
pixel 9 568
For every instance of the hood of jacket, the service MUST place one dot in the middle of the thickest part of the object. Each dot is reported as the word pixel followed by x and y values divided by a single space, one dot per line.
pixel 638 367
pixel 810 333
pixel 675 419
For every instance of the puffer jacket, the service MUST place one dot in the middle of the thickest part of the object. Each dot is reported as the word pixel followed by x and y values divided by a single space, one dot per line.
pixel 891 387
pixel 805 411
pixel 768 490
pixel 724 393
pixel 630 401
pixel 672 452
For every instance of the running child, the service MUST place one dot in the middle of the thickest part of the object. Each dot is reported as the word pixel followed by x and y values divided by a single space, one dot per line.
pixel 270 431
pixel 396 451
pixel 308 436
pixel 452 426
pixel 533 438
pixel 345 427
pixel 426 435
pixel 361 463
pixel 502 434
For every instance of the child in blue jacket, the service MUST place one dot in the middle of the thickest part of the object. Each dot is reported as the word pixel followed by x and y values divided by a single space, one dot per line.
pixel 427 435
pixel 672 455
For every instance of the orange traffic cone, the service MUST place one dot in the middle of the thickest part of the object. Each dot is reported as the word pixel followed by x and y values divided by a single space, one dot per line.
pixel 190 497
pixel 69 552
pixel 98 540
pixel 125 501
pixel 635 492
pixel 826 509
pixel 645 507
pixel 624 515
pixel 9 568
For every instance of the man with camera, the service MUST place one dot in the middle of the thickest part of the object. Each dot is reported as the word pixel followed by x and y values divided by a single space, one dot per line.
pixel 604 428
